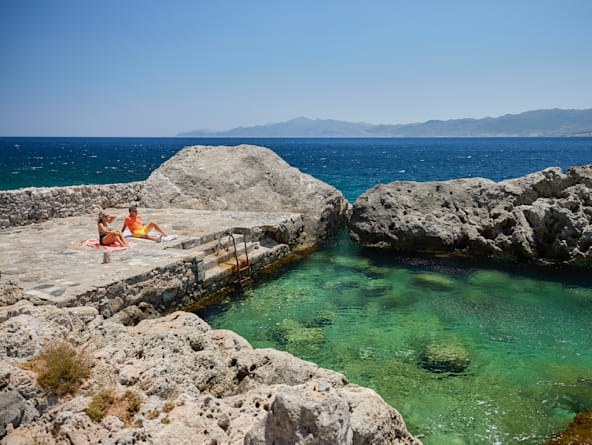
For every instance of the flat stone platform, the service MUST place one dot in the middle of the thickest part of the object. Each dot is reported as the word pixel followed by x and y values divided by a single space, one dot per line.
pixel 53 266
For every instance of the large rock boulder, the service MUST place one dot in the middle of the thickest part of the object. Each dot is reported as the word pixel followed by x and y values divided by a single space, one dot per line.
pixel 246 178
pixel 193 385
pixel 544 215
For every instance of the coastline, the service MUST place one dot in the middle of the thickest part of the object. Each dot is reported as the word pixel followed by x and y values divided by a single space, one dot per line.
pixel 47 197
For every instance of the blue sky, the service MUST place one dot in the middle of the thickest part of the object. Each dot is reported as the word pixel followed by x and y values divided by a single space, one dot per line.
pixel 155 68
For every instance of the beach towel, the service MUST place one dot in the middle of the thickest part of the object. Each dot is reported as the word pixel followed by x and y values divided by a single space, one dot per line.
pixel 171 237
pixel 94 243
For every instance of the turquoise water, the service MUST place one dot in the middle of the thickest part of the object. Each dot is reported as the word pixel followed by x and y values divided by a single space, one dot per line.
pixel 525 336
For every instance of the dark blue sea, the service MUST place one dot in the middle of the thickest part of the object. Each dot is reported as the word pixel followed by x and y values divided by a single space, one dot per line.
pixel 352 165
pixel 372 314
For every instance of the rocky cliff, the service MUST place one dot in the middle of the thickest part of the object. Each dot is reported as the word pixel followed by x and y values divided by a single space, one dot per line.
pixel 246 178
pixel 174 380
pixel 542 216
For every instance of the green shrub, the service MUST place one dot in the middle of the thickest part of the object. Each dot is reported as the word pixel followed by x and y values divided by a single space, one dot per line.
pixel 62 368
pixel 168 407
pixel 97 410
pixel 133 402
pixel 153 414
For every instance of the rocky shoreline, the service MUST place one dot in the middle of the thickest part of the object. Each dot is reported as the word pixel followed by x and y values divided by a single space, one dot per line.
pixel 172 379
pixel 192 385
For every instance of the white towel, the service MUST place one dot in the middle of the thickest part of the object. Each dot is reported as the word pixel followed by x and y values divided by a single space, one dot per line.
pixel 171 237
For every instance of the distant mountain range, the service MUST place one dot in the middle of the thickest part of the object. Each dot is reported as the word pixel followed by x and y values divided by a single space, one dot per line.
pixel 554 122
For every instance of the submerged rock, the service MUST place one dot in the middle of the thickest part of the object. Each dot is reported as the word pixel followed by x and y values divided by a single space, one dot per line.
pixel 324 317
pixel 434 280
pixel 441 356
pixel 544 215
pixel 578 432
pixel 246 178
pixel 298 338
pixel 574 397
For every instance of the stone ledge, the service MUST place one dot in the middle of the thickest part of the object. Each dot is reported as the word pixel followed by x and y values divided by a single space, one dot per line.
pixel 47 264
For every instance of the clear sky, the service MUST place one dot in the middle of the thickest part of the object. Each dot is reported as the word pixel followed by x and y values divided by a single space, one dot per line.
pixel 155 68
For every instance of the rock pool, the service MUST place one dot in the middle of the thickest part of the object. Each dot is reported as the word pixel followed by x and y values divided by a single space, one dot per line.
pixel 469 353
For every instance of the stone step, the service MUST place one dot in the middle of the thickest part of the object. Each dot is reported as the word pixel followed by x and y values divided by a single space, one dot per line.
pixel 227 256
pixel 207 243
pixel 217 252
pixel 259 256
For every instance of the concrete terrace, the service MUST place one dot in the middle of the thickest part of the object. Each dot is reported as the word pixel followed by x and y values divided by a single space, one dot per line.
pixel 52 266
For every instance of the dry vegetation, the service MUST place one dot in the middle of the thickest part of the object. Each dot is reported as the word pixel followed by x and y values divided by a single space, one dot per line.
pixel 61 368
pixel 105 403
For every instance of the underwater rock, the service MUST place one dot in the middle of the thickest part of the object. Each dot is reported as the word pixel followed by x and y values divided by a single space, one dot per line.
pixel 351 262
pixel 579 432
pixel 576 397
pixel 378 285
pixel 488 278
pixel 323 318
pixel 296 336
pixel 434 280
pixel 440 357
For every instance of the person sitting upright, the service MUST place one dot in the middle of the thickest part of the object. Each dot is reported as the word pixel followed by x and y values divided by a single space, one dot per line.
pixel 134 223
pixel 106 234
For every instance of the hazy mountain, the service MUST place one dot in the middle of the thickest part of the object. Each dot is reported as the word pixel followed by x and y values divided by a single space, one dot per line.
pixel 553 122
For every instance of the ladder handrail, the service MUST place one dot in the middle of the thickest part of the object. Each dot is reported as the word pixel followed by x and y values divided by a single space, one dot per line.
pixel 238 266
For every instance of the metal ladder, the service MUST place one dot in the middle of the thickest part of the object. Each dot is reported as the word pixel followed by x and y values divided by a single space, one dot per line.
pixel 243 271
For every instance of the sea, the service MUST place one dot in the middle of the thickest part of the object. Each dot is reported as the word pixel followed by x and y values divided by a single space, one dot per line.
pixel 374 315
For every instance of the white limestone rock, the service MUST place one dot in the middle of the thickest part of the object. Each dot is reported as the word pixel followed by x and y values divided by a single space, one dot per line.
pixel 546 215
pixel 196 385
pixel 246 178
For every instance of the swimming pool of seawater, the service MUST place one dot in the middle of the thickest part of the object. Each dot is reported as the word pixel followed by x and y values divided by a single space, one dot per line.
pixel 468 355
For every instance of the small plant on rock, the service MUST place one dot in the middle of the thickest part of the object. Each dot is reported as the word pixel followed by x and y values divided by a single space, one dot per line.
pixel 97 410
pixel 61 368
pixel 106 403
pixel 168 407
pixel 153 414
pixel 133 402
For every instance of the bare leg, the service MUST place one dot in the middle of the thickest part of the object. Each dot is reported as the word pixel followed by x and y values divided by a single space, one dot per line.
pixel 121 240
pixel 150 237
pixel 116 237
pixel 152 225
pixel 110 238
